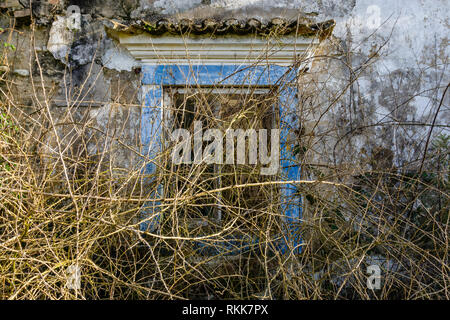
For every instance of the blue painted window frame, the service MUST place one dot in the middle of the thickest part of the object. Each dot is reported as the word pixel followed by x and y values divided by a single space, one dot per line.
pixel 156 77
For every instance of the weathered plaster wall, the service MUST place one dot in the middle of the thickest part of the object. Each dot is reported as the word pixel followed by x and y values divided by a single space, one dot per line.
pixel 400 46
pixel 408 41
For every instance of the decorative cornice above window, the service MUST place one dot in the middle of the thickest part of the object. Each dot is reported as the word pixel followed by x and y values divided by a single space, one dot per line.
pixel 252 26
pixel 224 43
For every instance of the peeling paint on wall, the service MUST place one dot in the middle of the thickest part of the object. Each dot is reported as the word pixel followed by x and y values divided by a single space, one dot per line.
pixel 413 63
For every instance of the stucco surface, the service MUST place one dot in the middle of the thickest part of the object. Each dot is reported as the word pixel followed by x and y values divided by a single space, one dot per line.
pixel 400 47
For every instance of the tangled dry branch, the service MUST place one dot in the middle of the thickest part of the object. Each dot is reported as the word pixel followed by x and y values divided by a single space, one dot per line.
pixel 68 197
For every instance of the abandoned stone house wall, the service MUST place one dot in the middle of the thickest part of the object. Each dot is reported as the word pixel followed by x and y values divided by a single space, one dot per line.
pixel 384 65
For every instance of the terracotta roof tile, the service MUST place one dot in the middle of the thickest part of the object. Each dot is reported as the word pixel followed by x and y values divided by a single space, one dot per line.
pixel 276 26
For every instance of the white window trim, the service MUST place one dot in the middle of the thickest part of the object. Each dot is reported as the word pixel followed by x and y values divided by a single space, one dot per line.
pixel 224 50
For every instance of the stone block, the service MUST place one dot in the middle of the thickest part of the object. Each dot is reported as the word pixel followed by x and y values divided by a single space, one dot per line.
pixel 10 4
pixel 22 13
